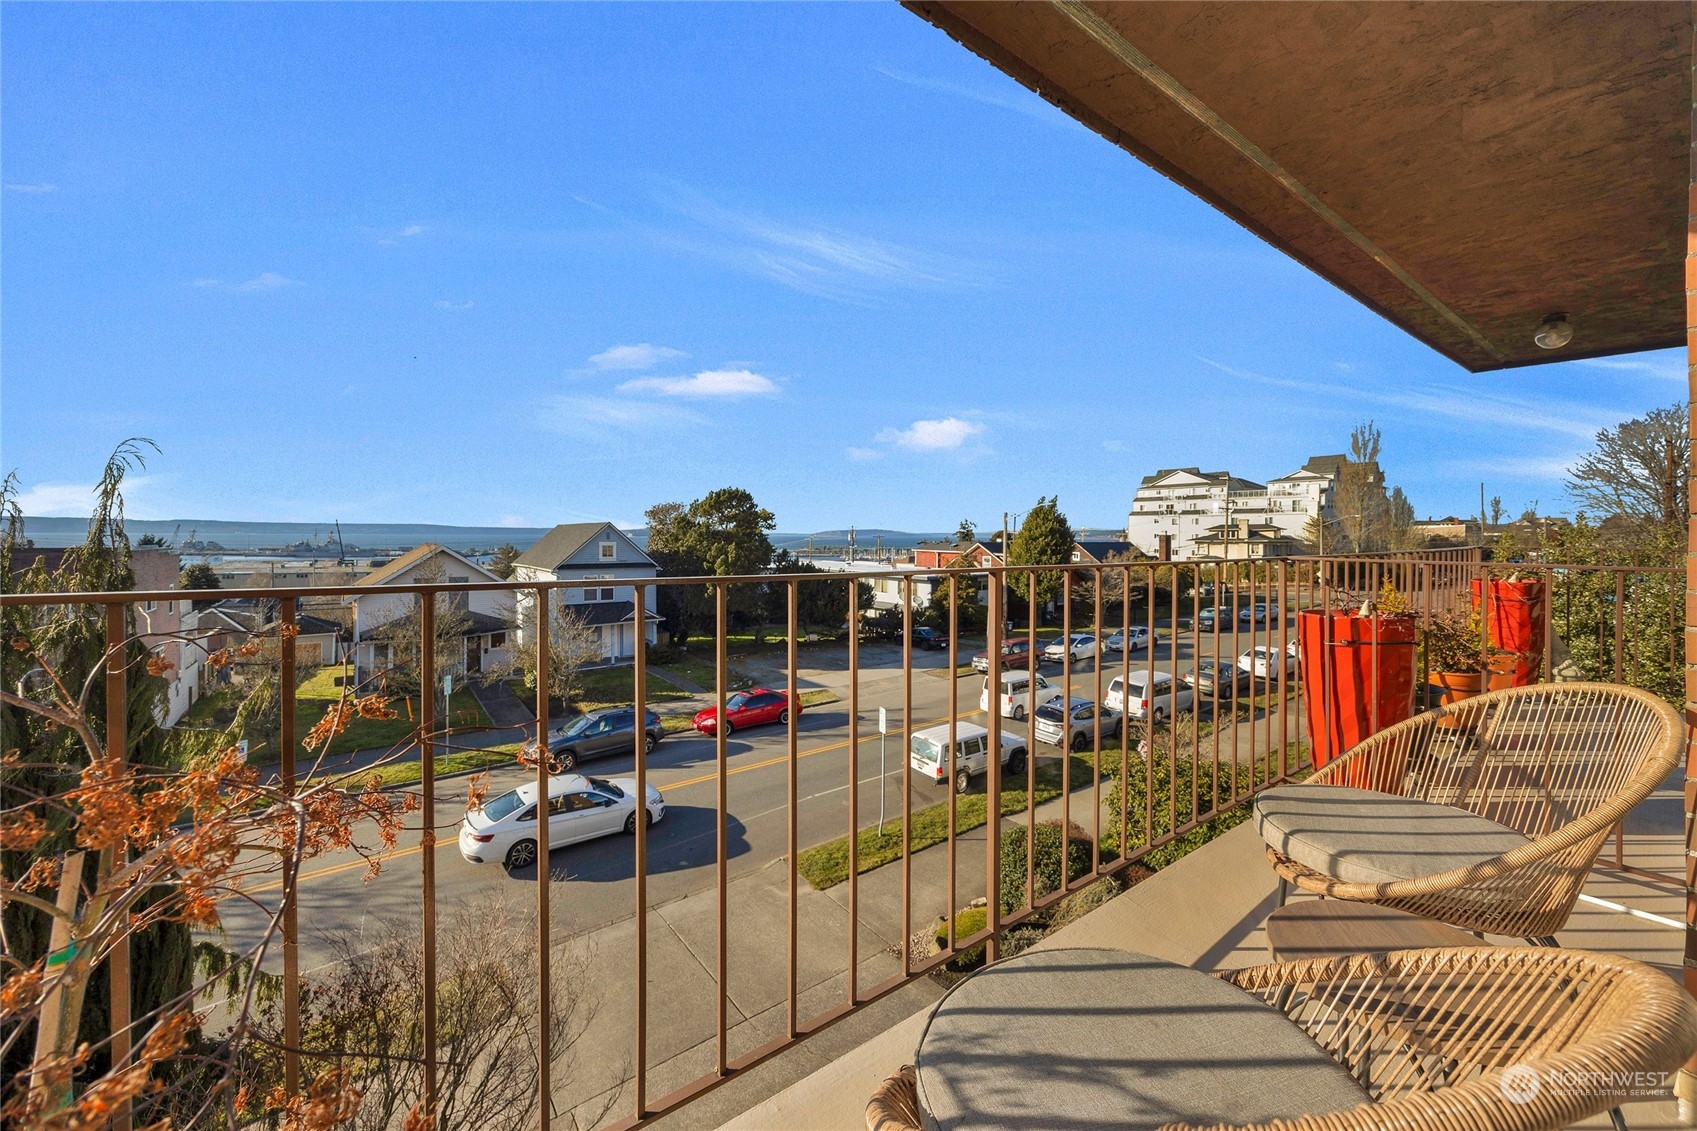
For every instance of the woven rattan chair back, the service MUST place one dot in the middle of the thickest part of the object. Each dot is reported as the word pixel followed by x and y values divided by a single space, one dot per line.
pixel 1560 763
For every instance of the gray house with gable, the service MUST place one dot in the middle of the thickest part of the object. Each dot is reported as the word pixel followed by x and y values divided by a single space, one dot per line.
pixel 605 560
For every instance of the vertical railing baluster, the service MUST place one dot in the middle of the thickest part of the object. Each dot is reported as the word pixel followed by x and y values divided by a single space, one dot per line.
pixel 1066 732
pixel 954 717
pixel 790 804
pixel 639 870
pixel 425 740
pixel 291 890
pixel 1125 712
pixel 544 992
pixel 1032 656
pixel 1096 755
pixel 907 778
pixel 854 792
pixel 993 768
pixel 721 656
pixel 117 748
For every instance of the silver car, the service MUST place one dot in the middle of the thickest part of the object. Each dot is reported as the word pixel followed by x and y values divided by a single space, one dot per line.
pixel 1075 726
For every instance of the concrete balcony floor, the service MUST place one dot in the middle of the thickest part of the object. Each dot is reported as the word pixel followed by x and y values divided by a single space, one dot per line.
pixel 1207 910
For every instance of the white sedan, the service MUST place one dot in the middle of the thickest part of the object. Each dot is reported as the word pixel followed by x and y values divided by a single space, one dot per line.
pixel 1080 645
pixel 1138 637
pixel 1266 663
pixel 579 808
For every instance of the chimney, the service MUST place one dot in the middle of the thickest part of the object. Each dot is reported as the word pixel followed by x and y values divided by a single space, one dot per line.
pixel 1243 529
pixel 1164 547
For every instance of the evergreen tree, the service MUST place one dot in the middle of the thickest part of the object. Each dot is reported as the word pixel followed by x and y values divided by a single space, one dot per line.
pixel 1044 538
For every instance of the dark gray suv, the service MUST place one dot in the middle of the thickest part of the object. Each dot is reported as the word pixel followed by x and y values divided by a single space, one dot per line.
pixel 597 733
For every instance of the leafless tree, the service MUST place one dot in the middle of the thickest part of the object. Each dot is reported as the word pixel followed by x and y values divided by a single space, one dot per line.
pixel 573 645
pixel 402 634
pixel 362 1017
pixel 1362 504
pixel 1640 469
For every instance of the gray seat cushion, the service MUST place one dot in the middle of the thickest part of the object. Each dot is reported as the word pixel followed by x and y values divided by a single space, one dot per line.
pixel 1361 836
pixel 1086 1039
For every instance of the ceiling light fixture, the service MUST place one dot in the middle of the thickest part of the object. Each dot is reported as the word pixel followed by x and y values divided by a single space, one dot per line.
pixel 1554 333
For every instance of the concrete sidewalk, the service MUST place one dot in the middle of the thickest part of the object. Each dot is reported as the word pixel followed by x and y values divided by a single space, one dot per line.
pixel 683 981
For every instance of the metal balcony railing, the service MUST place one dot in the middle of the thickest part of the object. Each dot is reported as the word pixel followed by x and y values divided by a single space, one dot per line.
pixel 1178 769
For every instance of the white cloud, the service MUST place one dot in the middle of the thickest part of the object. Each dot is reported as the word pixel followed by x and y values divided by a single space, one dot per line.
pixel 450 304
pixel 1515 467
pixel 643 356
pixel 511 520
pixel 268 281
pixel 944 435
pixel 1114 446
pixel 76 500
pixel 39 189
pixel 413 230
pixel 710 383
pixel 862 455
pixel 612 419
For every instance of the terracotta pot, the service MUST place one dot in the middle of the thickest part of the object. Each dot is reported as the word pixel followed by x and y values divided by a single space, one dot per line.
pixel 1456 687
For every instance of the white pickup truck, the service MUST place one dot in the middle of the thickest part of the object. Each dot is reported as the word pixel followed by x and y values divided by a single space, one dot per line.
pixel 928 753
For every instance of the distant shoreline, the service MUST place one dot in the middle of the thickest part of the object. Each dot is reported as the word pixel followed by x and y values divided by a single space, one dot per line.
pixel 318 539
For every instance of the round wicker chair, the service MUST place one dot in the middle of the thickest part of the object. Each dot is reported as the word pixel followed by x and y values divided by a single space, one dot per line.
pixel 1463 1039
pixel 1557 763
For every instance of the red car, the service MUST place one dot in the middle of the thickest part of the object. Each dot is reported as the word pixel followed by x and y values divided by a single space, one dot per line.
pixel 748 709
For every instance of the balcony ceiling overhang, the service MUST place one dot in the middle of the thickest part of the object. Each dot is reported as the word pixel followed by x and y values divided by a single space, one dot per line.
pixel 1465 169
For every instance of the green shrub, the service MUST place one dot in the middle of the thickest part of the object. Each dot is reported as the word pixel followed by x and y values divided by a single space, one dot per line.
pixel 1083 901
pixel 968 921
pixel 1170 783
pixel 1046 864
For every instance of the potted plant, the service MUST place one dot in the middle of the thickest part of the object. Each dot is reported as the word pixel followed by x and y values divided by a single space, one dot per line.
pixel 1452 650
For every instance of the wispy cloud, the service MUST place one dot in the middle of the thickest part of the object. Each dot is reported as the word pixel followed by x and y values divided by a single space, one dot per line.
pixel 1019 101
pixel 390 237
pixel 41 188
pixel 709 383
pixel 603 418
pixel 862 455
pixel 1662 368
pixel 814 259
pixel 450 304
pixel 1537 468
pixel 945 435
pixel 1471 405
pixel 266 281
pixel 76 500
pixel 640 356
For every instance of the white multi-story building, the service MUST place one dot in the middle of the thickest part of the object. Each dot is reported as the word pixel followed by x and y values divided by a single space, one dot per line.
pixel 1186 503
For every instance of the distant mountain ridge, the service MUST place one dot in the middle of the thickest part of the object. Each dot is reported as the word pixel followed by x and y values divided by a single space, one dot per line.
pixel 211 535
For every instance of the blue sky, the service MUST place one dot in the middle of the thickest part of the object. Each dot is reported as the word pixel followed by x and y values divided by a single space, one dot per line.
pixel 528 264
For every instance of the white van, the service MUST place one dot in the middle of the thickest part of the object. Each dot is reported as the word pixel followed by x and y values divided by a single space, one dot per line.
pixel 928 753
pixel 1167 696
pixel 1016 693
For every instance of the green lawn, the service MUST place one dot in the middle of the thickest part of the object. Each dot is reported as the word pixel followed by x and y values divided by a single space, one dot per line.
pixel 609 687
pixel 411 770
pixel 826 865
pixel 697 667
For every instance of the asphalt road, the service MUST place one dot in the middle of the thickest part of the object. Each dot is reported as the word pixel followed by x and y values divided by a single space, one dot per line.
pixel 594 880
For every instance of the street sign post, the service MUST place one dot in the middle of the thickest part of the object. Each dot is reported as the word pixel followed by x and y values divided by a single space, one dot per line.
pixel 883 731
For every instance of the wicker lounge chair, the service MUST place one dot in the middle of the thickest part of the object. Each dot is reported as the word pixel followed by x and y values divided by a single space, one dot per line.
pixel 1463 1039
pixel 1486 814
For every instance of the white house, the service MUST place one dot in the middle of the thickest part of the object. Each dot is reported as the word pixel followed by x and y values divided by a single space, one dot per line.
pixel 601 556
pixel 1199 509
pixel 888 580
pixel 487 611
